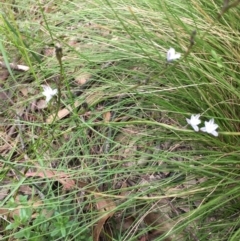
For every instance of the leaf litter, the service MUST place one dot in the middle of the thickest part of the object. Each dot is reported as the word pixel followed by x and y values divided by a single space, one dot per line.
pixel 127 142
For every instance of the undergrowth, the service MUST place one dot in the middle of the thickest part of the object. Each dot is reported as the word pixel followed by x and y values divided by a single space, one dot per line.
pixel 111 157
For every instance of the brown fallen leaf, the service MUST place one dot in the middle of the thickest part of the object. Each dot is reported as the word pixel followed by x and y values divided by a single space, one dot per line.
pixel 41 104
pixel 8 143
pixel 107 116
pixel 104 205
pixel 106 210
pixel 90 100
pixel 83 78
pixel 162 223
pixel 24 91
pixel 4 191
pixel 144 238
pixel 3 75
pixel 48 51
pixel 5 95
pixel 61 177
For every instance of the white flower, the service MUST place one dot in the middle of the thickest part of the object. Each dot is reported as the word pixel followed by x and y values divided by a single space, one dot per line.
pixel 210 127
pixel 48 92
pixel 171 55
pixel 194 121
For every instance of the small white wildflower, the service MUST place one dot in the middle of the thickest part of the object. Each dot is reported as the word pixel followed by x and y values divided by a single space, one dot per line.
pixel 194 121
pixel 210 127
pixel 48 92
pixel 171 55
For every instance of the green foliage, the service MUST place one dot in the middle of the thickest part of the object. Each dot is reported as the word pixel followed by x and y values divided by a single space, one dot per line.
pixel 57 226
pixel 126 133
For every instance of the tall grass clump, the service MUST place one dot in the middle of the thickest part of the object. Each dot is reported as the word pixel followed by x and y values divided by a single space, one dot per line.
pixel 111 156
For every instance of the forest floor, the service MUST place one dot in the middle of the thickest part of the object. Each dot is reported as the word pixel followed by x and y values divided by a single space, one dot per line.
pixel 106 133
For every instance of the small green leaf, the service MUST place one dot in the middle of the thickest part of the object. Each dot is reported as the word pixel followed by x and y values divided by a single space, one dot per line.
pixel 20 234
pixel 11 226
pixel 23 199
pixel 54 232
pixel 63 231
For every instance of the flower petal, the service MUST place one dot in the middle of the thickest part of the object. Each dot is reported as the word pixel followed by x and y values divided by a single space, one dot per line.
pixel 48 92
pixel 188 121
pixel 214 133
pixel 203 129
pixel 170 54
pixel 176 56
pixel 54 92
pixel 48 98
pixel 195 127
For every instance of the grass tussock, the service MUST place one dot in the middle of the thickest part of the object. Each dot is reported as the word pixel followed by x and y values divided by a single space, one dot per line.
pixel 111 157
